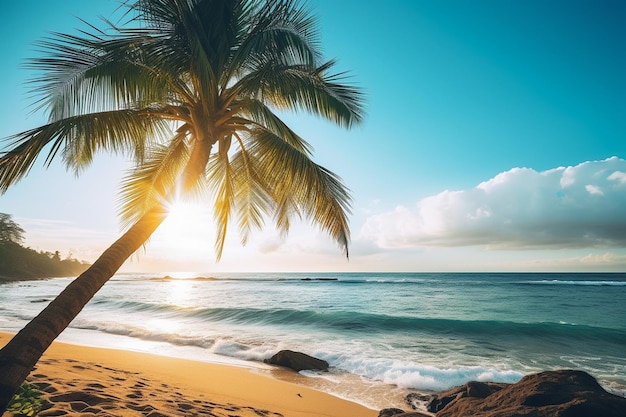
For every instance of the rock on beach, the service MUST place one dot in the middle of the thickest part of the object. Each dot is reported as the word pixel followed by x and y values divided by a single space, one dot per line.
pixel 297 361
pixel 563 393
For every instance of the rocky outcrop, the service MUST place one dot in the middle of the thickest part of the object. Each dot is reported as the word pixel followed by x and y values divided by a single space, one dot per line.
pixel 564 393
pixel 472 389
pixel 297 361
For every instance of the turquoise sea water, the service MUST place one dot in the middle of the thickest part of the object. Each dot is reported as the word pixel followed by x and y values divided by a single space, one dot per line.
pixel 418 331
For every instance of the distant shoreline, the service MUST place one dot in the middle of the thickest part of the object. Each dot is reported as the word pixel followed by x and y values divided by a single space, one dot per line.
pixel 19 263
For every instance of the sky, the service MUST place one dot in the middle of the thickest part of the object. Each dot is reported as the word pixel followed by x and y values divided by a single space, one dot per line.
pixel 495 140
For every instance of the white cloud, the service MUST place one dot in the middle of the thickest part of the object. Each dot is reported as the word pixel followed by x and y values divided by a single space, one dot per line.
pixel 603 259
pixel 618 176
pixel 594 189
pixel 566 207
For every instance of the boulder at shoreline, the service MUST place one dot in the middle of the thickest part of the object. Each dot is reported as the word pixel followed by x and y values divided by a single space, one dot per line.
pixel 297 361
pixel 563 393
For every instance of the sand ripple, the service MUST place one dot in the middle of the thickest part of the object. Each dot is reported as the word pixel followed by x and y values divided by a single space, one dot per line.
pixel 96 390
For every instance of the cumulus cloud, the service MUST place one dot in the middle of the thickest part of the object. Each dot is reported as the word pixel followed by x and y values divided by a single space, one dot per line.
pixel 566 207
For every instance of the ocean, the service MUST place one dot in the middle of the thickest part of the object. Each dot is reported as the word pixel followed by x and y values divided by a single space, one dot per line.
pixel 384 334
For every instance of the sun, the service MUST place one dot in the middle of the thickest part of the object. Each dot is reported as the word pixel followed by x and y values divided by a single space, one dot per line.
pixel 184 215
pixel 187 232
pixel 185 220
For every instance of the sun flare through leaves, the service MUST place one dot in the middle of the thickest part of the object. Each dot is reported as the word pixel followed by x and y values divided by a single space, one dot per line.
pixel 186 232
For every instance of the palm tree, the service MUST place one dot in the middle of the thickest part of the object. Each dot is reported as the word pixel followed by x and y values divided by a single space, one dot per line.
pixel 191 89
pixel 9 230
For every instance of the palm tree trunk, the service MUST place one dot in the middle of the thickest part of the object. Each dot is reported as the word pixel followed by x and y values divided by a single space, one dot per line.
pixel 22 352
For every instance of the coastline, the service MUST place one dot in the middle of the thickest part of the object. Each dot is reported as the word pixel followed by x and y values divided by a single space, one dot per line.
pixel 385 335
pixel 121 382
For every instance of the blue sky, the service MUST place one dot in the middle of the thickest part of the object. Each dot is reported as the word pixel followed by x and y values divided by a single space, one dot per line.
pixel 494 140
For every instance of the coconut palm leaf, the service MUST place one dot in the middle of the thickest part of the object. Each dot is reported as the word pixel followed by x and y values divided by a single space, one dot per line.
pixel 78 138
pixel 262 115
pixel 108 73
pixel 282 31
pixel 301 186
pixel 302 88
pixel 221 182
pixel 253 198
pixel 151 183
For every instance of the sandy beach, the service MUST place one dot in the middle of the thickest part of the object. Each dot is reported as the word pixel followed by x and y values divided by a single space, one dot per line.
pixel 86 381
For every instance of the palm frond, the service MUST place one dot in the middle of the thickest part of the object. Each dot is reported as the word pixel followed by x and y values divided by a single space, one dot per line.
pixel 78 139
pixel 262 115
pixel 25 148
pixel 300 88
pixel 301 186
pixel 275 31
pixel 120 131
pixel 83 75
pixel 253 198
pixel 220 179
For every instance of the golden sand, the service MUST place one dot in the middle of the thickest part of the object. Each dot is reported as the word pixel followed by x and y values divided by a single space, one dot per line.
pixel 87 381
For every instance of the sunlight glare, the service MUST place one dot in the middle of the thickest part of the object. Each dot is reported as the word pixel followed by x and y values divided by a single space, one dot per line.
pixel 183 218
pixel 166 326
pixel 186 233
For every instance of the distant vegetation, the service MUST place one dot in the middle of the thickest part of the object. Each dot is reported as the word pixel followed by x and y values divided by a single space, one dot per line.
pixel 18 262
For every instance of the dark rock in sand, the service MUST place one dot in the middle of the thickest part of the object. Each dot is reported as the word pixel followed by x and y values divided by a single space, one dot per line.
pixel 390 412
pixel 297 361
pixel 564 393
pixel 396 412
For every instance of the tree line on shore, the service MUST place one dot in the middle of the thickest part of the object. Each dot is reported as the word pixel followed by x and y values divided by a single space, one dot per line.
pixel 18 262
